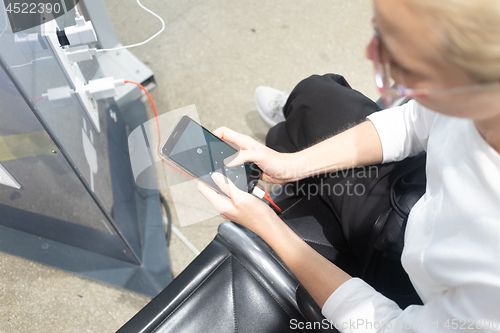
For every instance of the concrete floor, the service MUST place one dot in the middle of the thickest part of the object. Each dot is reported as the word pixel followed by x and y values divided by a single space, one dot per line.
pixel 213 53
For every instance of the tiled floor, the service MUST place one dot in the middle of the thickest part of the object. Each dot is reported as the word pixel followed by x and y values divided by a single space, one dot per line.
pixel 213 53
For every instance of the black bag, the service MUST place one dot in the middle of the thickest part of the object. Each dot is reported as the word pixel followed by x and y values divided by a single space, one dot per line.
pixel 383 254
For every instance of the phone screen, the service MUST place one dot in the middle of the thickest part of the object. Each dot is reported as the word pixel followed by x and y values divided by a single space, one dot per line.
pixel 202 153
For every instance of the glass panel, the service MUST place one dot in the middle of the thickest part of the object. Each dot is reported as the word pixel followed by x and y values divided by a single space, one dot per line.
pixel 100 158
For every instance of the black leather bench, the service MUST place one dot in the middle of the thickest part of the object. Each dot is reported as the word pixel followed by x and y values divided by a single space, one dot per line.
pixel 238 283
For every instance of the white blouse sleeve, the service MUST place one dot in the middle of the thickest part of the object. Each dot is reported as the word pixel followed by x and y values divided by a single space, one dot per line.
pixel 403 130
pixel 355 307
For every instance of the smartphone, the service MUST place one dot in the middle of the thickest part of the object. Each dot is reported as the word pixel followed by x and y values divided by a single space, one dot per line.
pixel 200 153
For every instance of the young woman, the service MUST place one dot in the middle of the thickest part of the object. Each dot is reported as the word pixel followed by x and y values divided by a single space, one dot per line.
pixel 446 55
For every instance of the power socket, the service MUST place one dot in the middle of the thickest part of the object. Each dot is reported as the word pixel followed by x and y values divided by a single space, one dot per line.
pixel 72 72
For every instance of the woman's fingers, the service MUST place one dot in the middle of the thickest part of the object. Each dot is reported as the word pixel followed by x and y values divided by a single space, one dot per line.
pixel 253 151
pixel 271 180
pixel 243 156
pixel 220 131
pixel 220 203
pixel 243 141
pixel 227 186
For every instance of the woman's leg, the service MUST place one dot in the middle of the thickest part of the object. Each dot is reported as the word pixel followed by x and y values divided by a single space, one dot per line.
pixel 318 107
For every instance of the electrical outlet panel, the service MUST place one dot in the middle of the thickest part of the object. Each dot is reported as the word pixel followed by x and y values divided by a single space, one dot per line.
pixel 72 72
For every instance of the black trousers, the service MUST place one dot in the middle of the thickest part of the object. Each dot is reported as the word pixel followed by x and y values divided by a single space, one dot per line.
pixel 318 108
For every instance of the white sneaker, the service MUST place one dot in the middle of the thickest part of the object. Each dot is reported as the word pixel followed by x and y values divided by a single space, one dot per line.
pixel 270 103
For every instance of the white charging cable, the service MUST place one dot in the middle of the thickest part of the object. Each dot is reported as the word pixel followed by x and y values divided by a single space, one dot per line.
pixel 258 192
pixel 146 41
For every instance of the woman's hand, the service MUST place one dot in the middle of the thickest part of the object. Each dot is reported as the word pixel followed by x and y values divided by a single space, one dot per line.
pixel 240 207
pixel 318 275
pixel 278 168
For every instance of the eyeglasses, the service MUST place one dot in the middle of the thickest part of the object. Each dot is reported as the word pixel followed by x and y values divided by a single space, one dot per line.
pixel 390 91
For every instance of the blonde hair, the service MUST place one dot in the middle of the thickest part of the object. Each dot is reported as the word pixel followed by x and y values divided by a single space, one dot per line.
pixel 470 32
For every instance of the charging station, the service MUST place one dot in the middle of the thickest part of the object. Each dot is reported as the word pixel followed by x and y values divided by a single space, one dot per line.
pixel 68 197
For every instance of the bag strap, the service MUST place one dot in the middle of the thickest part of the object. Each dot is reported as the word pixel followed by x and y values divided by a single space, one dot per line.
pixel 418 162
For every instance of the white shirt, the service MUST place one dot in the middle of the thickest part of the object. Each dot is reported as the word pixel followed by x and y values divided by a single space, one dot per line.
pixel 452 238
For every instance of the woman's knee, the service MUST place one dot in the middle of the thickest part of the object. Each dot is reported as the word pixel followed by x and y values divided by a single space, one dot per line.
pixel 315 83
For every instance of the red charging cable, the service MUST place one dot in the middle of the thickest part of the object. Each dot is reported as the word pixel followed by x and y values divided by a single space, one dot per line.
pixel 267 196
pixel 157 127
pixel 152 104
